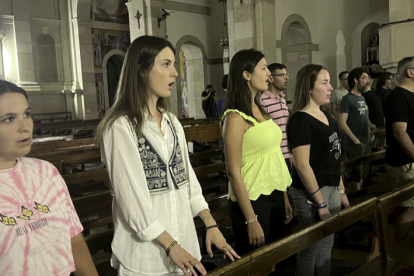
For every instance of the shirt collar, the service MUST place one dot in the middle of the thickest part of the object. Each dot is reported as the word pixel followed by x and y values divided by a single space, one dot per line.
pixel 267 92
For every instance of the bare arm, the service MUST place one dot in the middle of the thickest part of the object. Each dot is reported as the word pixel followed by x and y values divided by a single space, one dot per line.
pixel 82 258
pixel 333 111
pixel 234 128
pixel 343 117
pixel 399 131
pixel 301 155
pixel 206 97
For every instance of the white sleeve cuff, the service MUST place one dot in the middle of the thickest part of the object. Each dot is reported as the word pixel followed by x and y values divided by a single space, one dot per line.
pixel 198 204
pixel 152 231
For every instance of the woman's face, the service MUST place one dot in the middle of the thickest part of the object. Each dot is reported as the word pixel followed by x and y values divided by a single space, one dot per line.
pixel 258 81
pixel 16 126
pixel 162 76
pixel 388 82
pixel 321 91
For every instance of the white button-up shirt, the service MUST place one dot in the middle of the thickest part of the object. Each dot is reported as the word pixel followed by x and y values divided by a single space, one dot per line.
pixel 139 217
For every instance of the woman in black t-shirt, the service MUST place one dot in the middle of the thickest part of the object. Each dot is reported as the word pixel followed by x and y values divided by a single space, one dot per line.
pixel 315 140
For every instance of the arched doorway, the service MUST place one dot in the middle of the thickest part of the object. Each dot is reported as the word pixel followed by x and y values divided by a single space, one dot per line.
pixel 113 67
pixel 192 76
pixel 296 48
pixel 111 71
pixel 192 81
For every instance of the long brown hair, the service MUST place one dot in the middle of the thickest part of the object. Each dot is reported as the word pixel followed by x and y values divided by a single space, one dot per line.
pixel 238 94
pixel 305 82
pixel 132 95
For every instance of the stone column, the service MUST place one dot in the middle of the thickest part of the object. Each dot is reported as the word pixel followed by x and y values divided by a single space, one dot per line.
pixel 396 38
pixel 252 25
pixel 85 69
pixel 137 22
pixel 2 76
pixel 24 49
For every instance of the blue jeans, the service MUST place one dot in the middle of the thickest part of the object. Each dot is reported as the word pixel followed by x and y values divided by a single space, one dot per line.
pixel 317 257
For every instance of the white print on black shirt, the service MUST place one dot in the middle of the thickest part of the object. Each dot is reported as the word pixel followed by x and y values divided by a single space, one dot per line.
pixel 336 144
pixel 363 107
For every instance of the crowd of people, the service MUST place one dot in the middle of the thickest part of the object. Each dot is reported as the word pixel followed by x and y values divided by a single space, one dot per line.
pixel 270 153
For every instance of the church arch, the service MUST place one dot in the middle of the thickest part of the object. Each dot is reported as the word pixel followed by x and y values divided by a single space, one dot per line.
pixel 297 47
pixel 196 65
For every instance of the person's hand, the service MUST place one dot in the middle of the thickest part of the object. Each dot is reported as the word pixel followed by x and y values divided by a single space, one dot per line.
pixel 358 142
pixel 288 209
pixel 372 137
pixel 185 261
pixel 344 201
pixel 368 85
pixel 256 234
pixel 324 213
pixel 214 236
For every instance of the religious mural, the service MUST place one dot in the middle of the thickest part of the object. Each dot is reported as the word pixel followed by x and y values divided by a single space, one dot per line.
pixel 184 93
pixel 100 92
pixel 114 11
pixel 104 41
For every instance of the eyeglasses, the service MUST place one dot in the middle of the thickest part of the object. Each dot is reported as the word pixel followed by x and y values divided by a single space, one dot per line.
pixel 280 75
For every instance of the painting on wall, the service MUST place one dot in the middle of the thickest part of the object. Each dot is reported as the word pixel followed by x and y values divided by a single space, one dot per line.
pixel 114 11
pixel 183 77
pixel 104 41
pixel 100 92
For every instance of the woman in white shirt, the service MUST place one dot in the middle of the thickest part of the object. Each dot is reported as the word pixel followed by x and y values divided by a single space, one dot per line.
pixel 156 192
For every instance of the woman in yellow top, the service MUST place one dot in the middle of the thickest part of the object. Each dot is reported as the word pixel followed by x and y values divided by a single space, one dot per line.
pixel 255 165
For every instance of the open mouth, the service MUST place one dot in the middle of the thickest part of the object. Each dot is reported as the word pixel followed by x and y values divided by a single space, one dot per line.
pixel 24 140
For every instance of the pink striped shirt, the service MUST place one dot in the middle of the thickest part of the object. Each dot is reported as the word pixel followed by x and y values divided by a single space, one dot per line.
pixel 280 113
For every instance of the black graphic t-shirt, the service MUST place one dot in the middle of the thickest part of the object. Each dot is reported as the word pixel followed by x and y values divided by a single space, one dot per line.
pixel 325 151
pixel 399 107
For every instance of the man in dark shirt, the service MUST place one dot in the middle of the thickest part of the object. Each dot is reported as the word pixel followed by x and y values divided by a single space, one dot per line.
pixel 376 116
pixel 399 157
pixel 208 102
pixel 354 122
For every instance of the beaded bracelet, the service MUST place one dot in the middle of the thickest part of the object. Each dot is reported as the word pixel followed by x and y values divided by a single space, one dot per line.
pixel 212 226
pixel 251 220
pixel 170 247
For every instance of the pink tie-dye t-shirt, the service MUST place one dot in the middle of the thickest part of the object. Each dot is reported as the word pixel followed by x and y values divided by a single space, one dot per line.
pixel 37 221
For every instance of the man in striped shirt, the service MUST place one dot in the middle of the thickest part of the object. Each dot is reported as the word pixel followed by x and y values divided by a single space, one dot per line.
pixel 274 103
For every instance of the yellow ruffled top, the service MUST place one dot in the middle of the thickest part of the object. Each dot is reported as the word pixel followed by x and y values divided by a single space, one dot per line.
pixel 263 166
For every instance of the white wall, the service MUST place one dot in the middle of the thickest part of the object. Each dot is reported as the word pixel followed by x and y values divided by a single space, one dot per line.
pixel 207 29
pixel 326 18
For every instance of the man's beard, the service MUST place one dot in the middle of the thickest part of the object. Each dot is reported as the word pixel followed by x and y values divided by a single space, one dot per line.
pixel 280 88
pixel 360 88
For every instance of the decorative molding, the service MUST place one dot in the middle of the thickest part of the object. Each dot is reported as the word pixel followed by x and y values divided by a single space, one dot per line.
pixel 214 61
pixel 6 19
pixel 182 7
pixel 56 21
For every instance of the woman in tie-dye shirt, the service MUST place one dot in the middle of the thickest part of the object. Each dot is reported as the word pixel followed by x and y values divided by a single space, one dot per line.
pixel 40 232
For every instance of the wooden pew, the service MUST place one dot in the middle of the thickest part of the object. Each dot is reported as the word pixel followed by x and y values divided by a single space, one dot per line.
pixel 264 258
pixel 84 183
pixel 62 145
pixel 206 121
pixel 65 116
pixel 203 133
pixel 94 210
pixel 386 204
